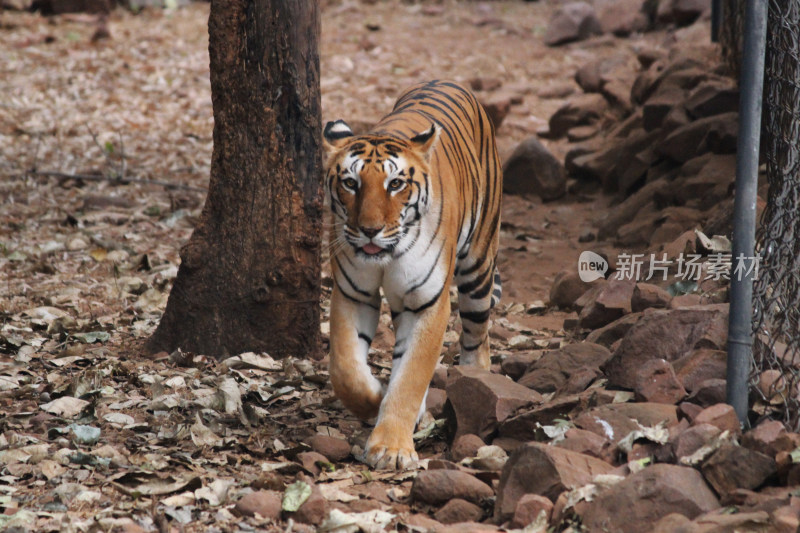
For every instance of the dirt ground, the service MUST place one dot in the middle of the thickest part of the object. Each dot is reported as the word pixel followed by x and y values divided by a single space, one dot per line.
pixel 87 263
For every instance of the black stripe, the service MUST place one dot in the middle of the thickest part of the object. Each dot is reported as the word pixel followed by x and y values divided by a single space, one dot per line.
pixel 428 303
pixel 474 347
pixel 428 275
pixel 397 355
pixel 350 281
pixel 475 316
pixel 475 283
pixel 365 337
pixel 353 298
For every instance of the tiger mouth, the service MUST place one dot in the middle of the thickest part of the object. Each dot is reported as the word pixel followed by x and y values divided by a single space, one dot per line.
pixel 372 249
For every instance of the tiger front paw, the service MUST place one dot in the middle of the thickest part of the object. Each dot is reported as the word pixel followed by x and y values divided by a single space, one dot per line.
pixel 385 451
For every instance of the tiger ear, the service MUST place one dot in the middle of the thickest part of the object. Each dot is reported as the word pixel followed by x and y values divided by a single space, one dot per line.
pixel 335 135
pixel 424 141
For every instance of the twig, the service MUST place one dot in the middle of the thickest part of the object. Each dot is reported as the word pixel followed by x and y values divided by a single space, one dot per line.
pixel 90 177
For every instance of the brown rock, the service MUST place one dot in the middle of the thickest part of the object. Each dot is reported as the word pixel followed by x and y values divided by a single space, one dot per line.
pixel 611 302
pixel 634 504
pixel 567 288
pixel 333 448
pixel 588 443
pixel 786 519
pixel 466 446
pixel 532 169
pixel 656 382
pixel 732 467
pixel 629 208
pixel 769 437
pixel 434 402
pixel 528 509
pixel 458 510
pixel 58 7
pixel 720 415
pixel 497 108
pixel 440 486
pixel 309 461
pixel 622 17
pixel 551 371
pixel 422 522
pixel 685 301
pixel 647 295
pixel 485 83
pixel 573 21
pixel 668 335
pixel 715 134
pixel 613 161
pixel 266 503
pixel 700 365
pixel 481 400
pixel 556 90
pixel 713 97
pixel 545 470
pixel 682 12
pixel 694 438
pixel 517 363
pixel 709 392
pixel 611 333
pixel 314 510
pixel 582 110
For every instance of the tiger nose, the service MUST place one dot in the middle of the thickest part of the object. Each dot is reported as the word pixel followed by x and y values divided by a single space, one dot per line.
pixel 370 232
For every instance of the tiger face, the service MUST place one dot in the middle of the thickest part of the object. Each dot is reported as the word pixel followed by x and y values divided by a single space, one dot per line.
pixel 377 188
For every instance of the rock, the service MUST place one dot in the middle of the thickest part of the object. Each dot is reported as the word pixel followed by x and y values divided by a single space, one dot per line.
pixel 608 335
pixel 682 12
pixel 551 371
pixel 700 365
pixel 668 335
pixel 647 295
pixel 309 461
pixel 588 443
pixel 434 402
pixel 711 183
pixel 629 208
pixel 769 437
pixel 634 504
pixel 567 288
pixel 548 471
pixel 440 486
pixel 333 448
pixel 732 467
pixel 314 510
pixel 612 162
pixel 58 7
pixel 615 421
pixel 786 519
pixel 583 110
pixel 656 382
pixel 720 415
pixel 266 503
pixel 528 509
pixel 532 169
pixel 485 83
pixel 709 392
pixel 715 134
pixel 656 108
pixel 713 97
pixel 497 108
pixel 573 21
pixel 458 510
pixel 692 439
pixel 481 400
pixel 422 522
pixel 684 301
pixel 612 301
pixel 556 90
pixel 466 446
pixel 517 363
pixel 622 17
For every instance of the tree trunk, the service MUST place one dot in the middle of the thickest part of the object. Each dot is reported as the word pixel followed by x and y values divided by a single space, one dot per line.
pixel 249 277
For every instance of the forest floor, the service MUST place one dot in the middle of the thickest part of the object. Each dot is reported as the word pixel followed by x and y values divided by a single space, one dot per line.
pixel 96 435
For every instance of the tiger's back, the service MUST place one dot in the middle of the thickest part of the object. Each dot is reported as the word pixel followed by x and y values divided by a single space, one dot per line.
pixel 415 206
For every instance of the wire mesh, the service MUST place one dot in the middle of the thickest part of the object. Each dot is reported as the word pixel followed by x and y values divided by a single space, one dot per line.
pixel 776 292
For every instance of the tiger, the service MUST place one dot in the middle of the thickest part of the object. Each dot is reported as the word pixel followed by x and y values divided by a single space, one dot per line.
pixel 415 206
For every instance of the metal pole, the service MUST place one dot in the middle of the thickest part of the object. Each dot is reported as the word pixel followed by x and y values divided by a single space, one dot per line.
pixel 740 341
pixel 716 19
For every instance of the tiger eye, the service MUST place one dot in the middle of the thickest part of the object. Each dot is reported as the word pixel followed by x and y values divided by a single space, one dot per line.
pixel 395 184
pixel 350 183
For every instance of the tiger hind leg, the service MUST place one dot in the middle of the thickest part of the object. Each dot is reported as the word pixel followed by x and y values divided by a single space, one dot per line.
pixel 477 295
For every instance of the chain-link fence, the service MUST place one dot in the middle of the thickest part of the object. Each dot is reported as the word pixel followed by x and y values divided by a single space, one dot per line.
pixel 776 293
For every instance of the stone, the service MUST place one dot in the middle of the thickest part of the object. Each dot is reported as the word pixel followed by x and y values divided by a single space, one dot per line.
pixel 669 335
pixel 733 467
pixel 769 437
pixel 481 400
pixel 314 510
pixel 700 365
pixel 422 522
pixel 622 17
pixel 548 471
pixel 517 363
pixel 497 108
pixel 713 97
pixel 614 424
pixel 567 287
pixel 692 439
pixel 710 184
pixel 588 443
pixel 629 208
pixel 720 415
pixel 656 382
pixel 647 296
pixel 613 332
pixel 556 90
pixel 333 448
pixel 682 12
pixel 709 392
pixel 574 21
pixel 532 169
pixel 634 504
pixel 485 83
pixel 266 503
pixel 612 301
pixel 528 509
pixel 309 461
pixel 440 486
pixel 613 161
pixel 551 371
pixel 656 108
pixel 466 446
pixel 684 301
pixel 582 110
pixel 434 402
pixel 59 7
pixel 715 134
pixel 458 510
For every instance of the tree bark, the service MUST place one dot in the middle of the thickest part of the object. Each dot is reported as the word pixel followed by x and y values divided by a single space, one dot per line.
pixel 249 278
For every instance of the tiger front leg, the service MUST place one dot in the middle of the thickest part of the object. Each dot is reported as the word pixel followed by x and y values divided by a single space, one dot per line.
pixel 477 295
pixel 417 349
pixel 353 325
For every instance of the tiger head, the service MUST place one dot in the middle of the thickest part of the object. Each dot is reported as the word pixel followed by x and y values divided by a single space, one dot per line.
pixel 378 188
